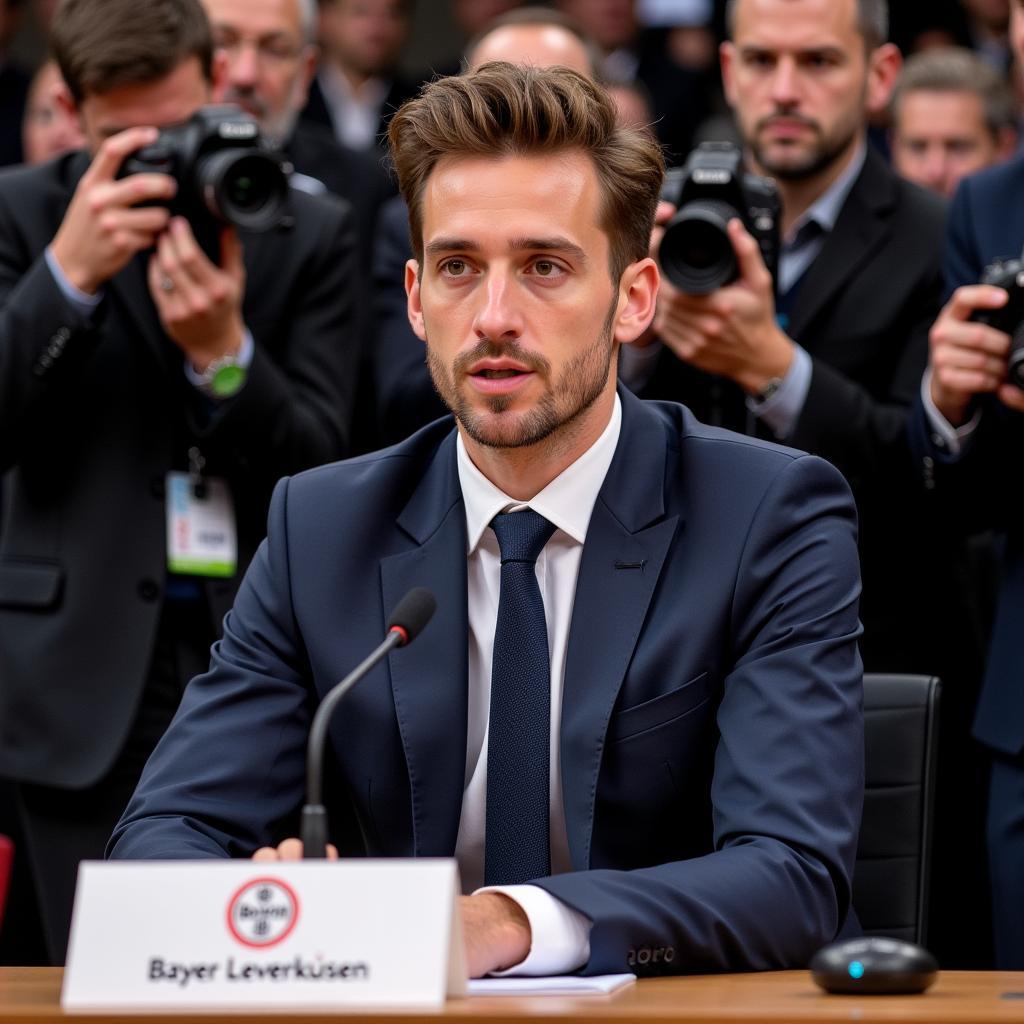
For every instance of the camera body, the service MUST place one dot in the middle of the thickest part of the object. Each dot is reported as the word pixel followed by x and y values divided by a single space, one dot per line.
pixel 710 189
pixel 1008 275
pixel 225 174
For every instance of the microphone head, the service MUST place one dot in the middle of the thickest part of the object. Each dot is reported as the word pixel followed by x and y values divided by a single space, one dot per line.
pixel 412 613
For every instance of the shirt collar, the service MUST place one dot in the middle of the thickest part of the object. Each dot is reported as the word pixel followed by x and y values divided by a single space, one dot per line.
pixel 567 501
pixel 824 211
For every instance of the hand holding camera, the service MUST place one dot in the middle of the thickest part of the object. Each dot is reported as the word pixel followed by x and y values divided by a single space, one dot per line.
pixel 105 226
pixel 716 307
pixel 971 350
pixel 199 302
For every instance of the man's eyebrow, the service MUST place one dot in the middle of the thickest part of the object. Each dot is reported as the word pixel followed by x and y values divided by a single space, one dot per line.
pixel 555 243
pixel 440 245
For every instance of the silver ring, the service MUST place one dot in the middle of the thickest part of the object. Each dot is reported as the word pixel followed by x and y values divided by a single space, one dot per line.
pixel 166 284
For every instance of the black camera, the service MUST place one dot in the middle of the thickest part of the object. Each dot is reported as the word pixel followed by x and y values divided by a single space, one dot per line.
pixel 1008 275
pixel 225 173
pixel 708 191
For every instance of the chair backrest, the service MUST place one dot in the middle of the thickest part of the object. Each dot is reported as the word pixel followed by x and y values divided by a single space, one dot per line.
pixel 6 861
pixel 890 879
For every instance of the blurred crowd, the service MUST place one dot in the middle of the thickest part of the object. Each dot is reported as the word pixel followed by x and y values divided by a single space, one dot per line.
pixel 852 342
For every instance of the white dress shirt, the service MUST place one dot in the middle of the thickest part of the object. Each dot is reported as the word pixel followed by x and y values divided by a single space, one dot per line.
pixel 355 114
pixel 561 936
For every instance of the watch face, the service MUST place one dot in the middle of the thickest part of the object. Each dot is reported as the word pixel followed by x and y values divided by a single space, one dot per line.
pixel 227 381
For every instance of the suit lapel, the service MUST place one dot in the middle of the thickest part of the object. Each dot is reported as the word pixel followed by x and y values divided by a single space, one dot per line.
pixel 627 541
pixel 428 679
pixel 860 231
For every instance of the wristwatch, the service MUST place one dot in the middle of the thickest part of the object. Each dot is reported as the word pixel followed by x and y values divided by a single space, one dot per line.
pixel 223 378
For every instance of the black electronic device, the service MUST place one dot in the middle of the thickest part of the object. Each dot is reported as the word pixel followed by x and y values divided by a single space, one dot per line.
pixel 1009 318
pixel 711 189
pixel 224 172
pixel 873 965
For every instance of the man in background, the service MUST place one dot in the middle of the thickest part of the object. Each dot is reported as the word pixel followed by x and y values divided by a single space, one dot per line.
pixel 270 53
pixel 49 128
pixel 968 432
pixel 358 86
pixel 828 358
pixel 151 394
pixel 952 115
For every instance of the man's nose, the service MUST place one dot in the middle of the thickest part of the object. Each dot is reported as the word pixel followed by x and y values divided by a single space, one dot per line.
pixel 498 316
pixel 785 83
pixel 243 65
pixel 935 168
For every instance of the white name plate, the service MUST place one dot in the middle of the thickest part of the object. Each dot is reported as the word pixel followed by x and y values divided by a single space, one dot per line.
pixel 309 934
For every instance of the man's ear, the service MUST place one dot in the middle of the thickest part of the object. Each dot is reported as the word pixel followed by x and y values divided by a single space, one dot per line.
pixel 884 64
pixel 638 296
pixel 412 291
pixel 727 61
pixel 218 72
pixel 63 98
pixel 310 59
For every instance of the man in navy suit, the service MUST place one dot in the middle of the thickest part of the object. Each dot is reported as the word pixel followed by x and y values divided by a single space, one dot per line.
pixel 968 435
pixel 674 783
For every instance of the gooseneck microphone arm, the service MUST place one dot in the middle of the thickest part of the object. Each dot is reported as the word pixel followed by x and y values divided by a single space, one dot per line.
pixel 411 614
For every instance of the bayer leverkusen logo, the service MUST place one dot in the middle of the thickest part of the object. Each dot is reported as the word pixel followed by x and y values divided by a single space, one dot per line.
pixel 263 912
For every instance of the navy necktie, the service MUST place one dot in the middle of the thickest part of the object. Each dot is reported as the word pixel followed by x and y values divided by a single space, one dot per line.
pixel 519 729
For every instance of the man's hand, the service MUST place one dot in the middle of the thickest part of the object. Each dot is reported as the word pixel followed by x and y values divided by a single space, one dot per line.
pixel 200 304
pixel 495 931
pixel 289 849
pixel 104 227
pixel 732 331
pixel 969 358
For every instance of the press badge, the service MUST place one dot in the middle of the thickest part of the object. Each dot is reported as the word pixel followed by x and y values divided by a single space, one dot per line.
pixel 201 535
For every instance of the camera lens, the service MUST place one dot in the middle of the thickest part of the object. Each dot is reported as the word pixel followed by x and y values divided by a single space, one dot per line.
pixel 695 251
pixel 245 187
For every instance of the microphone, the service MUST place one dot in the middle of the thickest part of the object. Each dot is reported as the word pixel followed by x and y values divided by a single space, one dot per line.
pixel 411 614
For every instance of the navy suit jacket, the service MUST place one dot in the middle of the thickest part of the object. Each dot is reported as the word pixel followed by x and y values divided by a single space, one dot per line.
pixel 982 487
pixel 711 731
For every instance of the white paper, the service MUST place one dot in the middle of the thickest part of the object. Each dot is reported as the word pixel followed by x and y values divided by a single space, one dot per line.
pixel 570 984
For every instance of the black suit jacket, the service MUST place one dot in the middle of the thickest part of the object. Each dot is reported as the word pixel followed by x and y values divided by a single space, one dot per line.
pixel 358 177
pixel 316 110
pixel 711 744
pixel 863 312
pixel 93 414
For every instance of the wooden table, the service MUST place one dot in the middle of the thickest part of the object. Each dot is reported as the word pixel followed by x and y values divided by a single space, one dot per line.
pixel 31 995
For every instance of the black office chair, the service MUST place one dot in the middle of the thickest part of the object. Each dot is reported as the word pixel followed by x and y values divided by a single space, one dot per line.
pixel 890 878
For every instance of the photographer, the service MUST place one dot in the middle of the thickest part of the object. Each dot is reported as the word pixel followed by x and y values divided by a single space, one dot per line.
pixel 967 433
pixel 828 360
pixel 144 384
pixel 834 363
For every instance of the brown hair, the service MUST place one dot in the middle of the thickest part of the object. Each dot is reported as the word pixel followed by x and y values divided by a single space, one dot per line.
pixel 503 110
pixel 957 70
pixel 103 44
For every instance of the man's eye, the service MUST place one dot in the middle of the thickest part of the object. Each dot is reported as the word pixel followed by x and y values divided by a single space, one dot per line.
pixel 546 268
pixel 454 268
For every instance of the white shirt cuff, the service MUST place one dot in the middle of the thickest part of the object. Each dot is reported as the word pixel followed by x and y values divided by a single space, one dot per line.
pixel 83 302
pixel 944 435
pixel 560 940
pixel 782 410
pixel 243 359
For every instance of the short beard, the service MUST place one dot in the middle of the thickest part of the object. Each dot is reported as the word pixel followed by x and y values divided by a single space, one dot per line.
pixel 581 383
pixel 823 157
